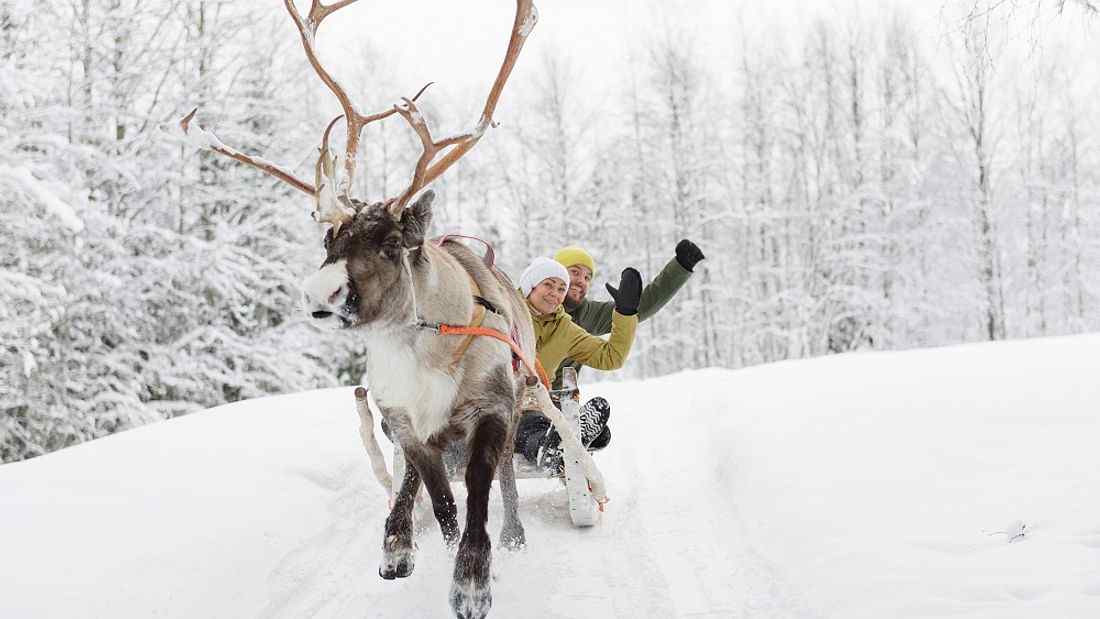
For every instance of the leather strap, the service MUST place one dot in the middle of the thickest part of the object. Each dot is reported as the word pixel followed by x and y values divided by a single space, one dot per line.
pixel 490 257
pixel 475 321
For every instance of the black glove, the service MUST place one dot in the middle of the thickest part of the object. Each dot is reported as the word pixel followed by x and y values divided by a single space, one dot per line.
pixel 628 294
pixel 688 254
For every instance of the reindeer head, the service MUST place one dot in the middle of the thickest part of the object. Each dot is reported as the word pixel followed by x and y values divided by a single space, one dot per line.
pixel 369 249
pixel 365 278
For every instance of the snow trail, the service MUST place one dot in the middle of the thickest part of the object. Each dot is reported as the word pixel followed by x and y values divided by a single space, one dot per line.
pixel 865 486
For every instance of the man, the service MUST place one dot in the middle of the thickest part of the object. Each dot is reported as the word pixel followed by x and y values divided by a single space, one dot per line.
pixel 595 317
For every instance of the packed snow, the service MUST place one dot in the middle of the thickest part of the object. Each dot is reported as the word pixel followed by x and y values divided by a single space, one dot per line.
pixel 945 482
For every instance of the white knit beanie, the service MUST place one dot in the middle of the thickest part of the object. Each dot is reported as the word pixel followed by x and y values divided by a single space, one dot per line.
pixel 540 269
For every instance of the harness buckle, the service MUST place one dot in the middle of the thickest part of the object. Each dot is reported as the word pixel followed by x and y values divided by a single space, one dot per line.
pixel 431 326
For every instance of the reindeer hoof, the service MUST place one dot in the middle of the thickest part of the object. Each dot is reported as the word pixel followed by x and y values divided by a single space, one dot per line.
pixel 397 564
pixel 471 601
pixel 513 539
pixel 451 537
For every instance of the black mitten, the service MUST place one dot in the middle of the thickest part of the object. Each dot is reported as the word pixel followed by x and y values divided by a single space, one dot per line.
pixel 688 254
pixel 628 294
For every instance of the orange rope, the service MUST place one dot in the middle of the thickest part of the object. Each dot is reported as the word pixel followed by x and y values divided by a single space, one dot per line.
pixel 536 369
pixel 479 311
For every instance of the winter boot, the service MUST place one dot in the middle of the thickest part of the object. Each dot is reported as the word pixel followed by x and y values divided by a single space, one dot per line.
pixel 593 421
pixel 550 456
pixel 602 440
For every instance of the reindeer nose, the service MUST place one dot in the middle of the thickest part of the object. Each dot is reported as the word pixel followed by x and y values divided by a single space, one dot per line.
pixel 335 293
pixel 321 314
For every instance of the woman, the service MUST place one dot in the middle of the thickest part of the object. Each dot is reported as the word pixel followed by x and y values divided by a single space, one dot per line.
pixel 544 284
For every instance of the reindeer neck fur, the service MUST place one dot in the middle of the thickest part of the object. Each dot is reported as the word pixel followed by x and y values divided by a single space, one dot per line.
pixel 410 367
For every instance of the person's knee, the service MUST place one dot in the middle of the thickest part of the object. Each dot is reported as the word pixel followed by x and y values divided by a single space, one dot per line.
pixel 530 431
pixel 532 421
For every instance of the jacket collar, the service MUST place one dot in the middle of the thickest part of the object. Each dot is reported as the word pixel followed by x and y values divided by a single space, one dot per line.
pixel 549 317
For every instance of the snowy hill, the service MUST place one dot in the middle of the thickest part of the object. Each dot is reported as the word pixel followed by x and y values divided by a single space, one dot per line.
pixel 953 482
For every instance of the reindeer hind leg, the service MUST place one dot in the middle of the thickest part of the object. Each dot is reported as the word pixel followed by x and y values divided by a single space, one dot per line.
pixel 512 535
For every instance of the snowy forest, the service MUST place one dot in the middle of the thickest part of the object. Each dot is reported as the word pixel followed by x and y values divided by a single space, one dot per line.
pixel 863 183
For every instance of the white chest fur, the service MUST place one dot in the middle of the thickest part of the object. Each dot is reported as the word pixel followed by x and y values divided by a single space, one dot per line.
pixel 400 380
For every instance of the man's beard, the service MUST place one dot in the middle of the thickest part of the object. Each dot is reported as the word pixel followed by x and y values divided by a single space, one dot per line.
pixel 570 304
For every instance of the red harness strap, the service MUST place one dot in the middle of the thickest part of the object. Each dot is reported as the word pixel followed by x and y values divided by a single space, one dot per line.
pixel 489 259
pixel 536 368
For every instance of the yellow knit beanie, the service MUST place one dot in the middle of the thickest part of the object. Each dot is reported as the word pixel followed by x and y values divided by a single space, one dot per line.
pixel 569 256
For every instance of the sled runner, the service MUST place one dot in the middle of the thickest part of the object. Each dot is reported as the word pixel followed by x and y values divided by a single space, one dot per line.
pixel 584 507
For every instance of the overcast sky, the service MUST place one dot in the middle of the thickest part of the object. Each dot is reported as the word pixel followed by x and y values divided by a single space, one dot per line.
pixel 459 44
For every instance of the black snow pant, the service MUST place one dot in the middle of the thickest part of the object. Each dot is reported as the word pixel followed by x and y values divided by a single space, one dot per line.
pixel 535 432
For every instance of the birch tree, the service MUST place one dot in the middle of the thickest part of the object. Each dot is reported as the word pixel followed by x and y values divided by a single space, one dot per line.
pixel 972 104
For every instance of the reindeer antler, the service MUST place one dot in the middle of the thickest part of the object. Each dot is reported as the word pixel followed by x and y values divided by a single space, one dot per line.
pixel 425 171
pixel 355 121
pixel 333 206
pixel 205 139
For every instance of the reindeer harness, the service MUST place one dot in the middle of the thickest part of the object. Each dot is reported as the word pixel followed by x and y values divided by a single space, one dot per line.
pixel 475 328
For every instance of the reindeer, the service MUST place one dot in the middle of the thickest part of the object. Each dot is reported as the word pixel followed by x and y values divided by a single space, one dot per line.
pixel 384 279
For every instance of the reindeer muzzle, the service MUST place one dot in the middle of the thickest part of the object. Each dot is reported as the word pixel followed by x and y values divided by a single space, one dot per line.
pixel 325 295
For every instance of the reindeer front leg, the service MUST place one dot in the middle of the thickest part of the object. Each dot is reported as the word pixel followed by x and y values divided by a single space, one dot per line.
pixel 398 550
pixel 470 593
pixel 428 461
pixel 424 464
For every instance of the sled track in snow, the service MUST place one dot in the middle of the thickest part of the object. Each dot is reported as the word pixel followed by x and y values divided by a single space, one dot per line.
pixel 682 561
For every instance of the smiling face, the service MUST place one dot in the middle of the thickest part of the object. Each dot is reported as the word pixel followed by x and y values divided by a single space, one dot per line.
pixel 547 295
pixel 580 278
pixel 362 278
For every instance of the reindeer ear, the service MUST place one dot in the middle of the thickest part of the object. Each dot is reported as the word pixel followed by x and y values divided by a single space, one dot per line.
pixel 415 220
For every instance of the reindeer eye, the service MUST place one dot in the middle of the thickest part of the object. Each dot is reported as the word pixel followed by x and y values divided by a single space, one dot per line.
pixel 328 238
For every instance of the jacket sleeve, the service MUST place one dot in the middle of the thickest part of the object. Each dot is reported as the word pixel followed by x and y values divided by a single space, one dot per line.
pixel 609 354
pixel 595 316
pixel 663 287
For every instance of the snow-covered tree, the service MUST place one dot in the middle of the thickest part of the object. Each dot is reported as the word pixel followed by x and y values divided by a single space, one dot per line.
pixel 859 183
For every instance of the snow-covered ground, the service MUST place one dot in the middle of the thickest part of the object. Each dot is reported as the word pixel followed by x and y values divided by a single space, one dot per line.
pixel 955 482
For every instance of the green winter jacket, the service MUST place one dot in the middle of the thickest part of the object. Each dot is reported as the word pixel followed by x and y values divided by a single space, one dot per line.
pixel 595 316
pixel 556 337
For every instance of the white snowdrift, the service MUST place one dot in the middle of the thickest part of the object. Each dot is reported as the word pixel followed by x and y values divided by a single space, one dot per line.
pixel 870 485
